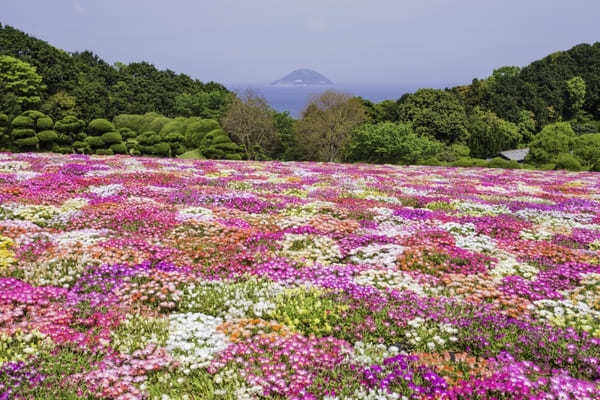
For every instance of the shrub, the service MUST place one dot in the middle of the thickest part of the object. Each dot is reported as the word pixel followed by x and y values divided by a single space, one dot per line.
pixel 193 155
pixel 127 133
pixel 47 136
pixel 111 137
pixel 119 148
pixel 587 148
pixel 22 133
pixel 27 143
pixel 44 124
pixel 498 162
pixel 196 129
pixel 69 124
pixel 567 161
pixel 62 149
pixel 64 139
pixel 99 126
pixel 3 120
pixel 162 149
pixel 22 121
pixel 468 162
pixel 550 142
pixel 94 142
pixel 104 152
pixel 129 121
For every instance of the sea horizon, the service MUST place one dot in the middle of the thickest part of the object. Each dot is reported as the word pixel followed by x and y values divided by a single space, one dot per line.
pixel 295 98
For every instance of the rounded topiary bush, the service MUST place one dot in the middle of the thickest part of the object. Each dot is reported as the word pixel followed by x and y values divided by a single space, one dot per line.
pixel 498 162
pixel 127 133
pixel 22 121
pixel 34 114
pixel 94 142
pixel 112 137
pixel 567 161
pixel 3 120
pixel 99 126
pixel 47 136
pixel 62 149
pixel 119 148
pixel 162 149
pixel 27 143
pixel 69 124
pixel 44 124
pixel 22 133
pixel 64 139
pixel 104 152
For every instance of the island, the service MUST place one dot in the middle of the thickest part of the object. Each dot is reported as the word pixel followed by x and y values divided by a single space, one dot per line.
pixel 303 77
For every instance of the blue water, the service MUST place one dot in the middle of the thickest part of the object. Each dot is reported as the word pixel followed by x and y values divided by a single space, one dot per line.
pixel 295 99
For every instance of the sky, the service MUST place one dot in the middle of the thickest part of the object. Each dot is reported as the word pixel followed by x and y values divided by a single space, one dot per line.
pixel 415 42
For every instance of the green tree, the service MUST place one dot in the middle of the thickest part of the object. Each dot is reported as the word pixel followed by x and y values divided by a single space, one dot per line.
pixel 59 105
pixel 21 87
pixel 249 123
pixel 553 140
pixel 490 134
pixel 389 142
pixel 576 88
pixel 436 113
pixel 326 125
pixel 587 148
pixel 526 126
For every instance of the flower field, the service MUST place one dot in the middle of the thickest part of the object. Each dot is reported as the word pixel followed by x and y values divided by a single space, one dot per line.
pixel 132 278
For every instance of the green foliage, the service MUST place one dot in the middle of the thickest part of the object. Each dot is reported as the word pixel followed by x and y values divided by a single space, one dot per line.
pixel 94 142
pixel 550 142
pixel 162 149
pixel 587 148
pixel 130 121
pixel 22 121
pixel 111 138
pixel 526 125
pixel 436 113
pixel 22 133
pixel 192 155
pixel 21 86
pixel 217 145
pixel 119 148
pixel 196 129
pixel 469 162
pixel 99 126
pixel 389 142
pixel 60 105
pixel 104 152
pixel 498 162
pixel 210 105
pixel 127 133
pixel 69 125
pixel 47 136
pixel 567 161
pixel 44 123
pixel 490 134
pixel 28 143
pixel 576 88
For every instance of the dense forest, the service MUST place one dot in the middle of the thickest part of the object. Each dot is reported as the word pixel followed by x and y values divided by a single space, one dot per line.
pixel 51 100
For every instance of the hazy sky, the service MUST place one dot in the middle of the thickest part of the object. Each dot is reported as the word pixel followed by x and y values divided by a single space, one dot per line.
pixel 355 41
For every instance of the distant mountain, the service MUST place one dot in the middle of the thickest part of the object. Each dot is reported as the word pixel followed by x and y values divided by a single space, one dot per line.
pixel 303 77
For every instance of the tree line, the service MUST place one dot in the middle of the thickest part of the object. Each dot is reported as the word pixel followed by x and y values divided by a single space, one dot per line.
pixel 51 100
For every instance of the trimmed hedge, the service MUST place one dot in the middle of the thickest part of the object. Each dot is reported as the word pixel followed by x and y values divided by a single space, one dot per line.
pixel 22 121
pixel 99 126
pixel 47 136
pixel 44 124
pixel 112 137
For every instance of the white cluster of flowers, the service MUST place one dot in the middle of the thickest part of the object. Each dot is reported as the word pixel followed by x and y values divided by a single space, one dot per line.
pixel 467 238
pixel 194 340
pixel 61 271
pixel 565 313
pixel 369 394
pixel 310 248
pixel 556 220
pixel 539 233
pixel 430 336
pixel 13 165
pixel 389 279
pixel 236 384
pixel 507 265
pixel 38 214
pixel 106 190
pixel 371 353
pixel 195 213
pixel 384 255
pixel 293 221
pixel 309 209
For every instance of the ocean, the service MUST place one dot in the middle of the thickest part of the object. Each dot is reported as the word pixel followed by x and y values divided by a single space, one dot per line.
pixel 295 99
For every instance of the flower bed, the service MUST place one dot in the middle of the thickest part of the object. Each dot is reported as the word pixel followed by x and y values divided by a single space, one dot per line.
pixel 153 278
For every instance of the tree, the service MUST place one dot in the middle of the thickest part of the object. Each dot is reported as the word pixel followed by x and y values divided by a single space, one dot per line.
pixel 553 140
pixel 587 148
pixel 327 123
pixel 211 104
pixel 20 86
pixel 437 114
pixel 389 142
pixel 490 134
pixel 526 125
pixel 60 105
pixel 249 123
pixel 576 89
